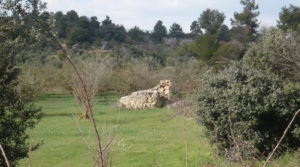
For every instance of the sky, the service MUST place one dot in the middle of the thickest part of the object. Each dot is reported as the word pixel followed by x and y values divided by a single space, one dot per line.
pixel 145 13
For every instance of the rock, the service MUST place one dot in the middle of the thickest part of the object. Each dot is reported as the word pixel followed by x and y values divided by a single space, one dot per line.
pixel 150 98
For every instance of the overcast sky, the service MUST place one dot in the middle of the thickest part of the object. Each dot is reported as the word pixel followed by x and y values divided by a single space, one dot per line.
pixel 145 13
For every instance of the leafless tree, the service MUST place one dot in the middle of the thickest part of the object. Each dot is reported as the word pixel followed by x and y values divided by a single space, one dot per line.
pixel 94 70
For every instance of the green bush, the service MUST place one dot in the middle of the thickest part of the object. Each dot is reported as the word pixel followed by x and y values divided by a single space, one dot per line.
pixel 250 108
pixel 246 107
pixel 277 52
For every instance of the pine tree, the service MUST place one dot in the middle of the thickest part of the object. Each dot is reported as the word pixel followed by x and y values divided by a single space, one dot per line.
pixel 247 19
pixel 159 32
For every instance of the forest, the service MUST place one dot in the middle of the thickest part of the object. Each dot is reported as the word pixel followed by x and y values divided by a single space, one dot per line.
pixel 234 101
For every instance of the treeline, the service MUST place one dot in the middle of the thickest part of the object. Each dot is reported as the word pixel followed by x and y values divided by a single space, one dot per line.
pixel 140 66
pixel 209 38
pixel 210 42
pixel 82 29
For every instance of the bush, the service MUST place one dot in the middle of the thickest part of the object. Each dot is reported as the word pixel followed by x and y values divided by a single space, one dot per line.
pixel 32 82
pixel 277 52
pixel 16 115
pixel 246 107
pixel 249 108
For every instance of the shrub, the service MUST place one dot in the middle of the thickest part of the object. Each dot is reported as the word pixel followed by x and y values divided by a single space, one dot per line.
pixel 251 103
pixel 32 82
pixel 276 52
pixel 246 109
pixel 16 115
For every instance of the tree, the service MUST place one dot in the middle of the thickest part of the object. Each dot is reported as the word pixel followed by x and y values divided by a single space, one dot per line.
pixel 77 34
pixel 247 19
pixel 159 32
pixel 72 16
pixel 94 27
pixel 136 34
pixel 61 24
pixel 176 31
pixel 95 70
pixel 195 28
pixel 78 31
pixel 205 46
pixel 289 18
pixel 211 21
pixel 106 30
pixel 225 54
pixel 109 31
pixel 107 21
pixel 119 33
pixel 17 115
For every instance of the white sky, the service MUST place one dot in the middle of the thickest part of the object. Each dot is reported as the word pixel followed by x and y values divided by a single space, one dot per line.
pixel 145 13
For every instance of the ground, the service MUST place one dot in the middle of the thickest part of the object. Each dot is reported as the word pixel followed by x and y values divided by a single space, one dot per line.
pixel 145 138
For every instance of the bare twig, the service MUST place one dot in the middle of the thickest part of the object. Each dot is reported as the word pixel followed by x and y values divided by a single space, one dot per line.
pixel 84 89
pixel 279 142
pixel 4 155
pixel 111 140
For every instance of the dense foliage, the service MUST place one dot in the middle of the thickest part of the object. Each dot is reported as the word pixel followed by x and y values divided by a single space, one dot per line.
pixel 159 32
pixel 248 105
pixel 176 31
pixel 289 18
pixel 16 115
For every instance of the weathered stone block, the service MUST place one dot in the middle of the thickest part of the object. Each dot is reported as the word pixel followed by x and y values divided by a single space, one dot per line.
pixel 150 98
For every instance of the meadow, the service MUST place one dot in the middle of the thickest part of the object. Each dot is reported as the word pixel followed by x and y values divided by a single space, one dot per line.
pixel 148 137
pixel 142 138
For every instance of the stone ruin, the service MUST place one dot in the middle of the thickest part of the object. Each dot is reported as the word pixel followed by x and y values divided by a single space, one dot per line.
pixel 150 98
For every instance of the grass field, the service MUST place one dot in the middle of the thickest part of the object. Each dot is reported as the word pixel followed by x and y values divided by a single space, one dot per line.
pixel 148 137
pixel 145 138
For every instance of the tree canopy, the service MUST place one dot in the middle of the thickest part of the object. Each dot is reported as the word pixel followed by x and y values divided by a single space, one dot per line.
pixel 246 21
pixel 176 31
pixel 159 31
pixel 289 18
pixel 195 28
pixel 211 20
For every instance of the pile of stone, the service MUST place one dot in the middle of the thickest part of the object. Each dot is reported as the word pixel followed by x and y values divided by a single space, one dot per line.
pixel 150 98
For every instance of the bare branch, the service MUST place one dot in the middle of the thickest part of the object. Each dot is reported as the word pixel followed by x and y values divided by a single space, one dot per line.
pixel 4 155
pixel 84 89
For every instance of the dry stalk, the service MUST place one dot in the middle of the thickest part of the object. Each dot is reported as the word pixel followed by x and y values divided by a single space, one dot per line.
pixel 4 155
pixel 279 142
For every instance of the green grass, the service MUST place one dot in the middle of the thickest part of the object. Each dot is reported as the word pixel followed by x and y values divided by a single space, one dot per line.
pixel 145 137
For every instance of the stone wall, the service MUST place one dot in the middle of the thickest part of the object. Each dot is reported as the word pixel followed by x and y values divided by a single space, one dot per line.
pixel 150 98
